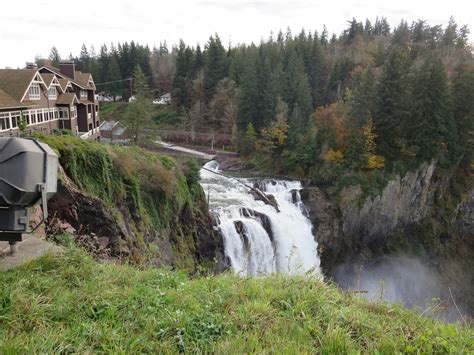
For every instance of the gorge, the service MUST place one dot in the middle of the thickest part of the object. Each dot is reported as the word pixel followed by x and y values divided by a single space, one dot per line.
pixel 384 247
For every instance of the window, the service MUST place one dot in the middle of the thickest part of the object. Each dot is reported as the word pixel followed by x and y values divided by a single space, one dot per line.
pixel 73 112
pixel 26 117
pixel 4 121
pixel 52 93
pixel 40 116
pixel 34 91
pixel 83 94
pixel 15 118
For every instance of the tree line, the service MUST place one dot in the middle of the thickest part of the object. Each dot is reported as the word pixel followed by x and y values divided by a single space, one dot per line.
pixel 368 98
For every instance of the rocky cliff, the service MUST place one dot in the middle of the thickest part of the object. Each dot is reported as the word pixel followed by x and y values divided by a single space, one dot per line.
pixel 426 215
pixel 134 205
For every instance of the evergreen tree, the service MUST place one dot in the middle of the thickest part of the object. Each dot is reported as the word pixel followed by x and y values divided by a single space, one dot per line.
pixel 215 68
pixel 198 59
pixel 182 81
pixel 140 85
pixel 359 115
pixel 431 118
pixel 103 64
pixel 113 75
pixel 462 93
pixel 54 57
pixel 296 90
pixel 391 110
pixel 84 60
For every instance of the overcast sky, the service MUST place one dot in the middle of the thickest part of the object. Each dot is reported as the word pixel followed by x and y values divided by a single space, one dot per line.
pixel 29 28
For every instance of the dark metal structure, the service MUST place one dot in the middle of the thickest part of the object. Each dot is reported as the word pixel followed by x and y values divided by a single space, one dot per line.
pixel 28 175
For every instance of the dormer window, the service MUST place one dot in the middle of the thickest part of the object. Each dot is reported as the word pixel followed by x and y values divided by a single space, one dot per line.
pixel 52 93
pixel 83 94
pixel 34 91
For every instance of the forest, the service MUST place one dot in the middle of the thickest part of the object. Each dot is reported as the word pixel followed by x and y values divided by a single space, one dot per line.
pixel 374 98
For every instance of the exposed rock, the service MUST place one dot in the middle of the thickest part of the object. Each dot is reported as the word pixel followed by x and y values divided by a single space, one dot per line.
pixel 294 195
pixel 239 227
pixel 268 199
pixel 190 242
pixel 261 217
pixel 414 215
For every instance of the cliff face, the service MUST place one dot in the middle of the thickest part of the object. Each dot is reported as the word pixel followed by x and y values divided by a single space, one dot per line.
pixel 134 205
pixel 428 215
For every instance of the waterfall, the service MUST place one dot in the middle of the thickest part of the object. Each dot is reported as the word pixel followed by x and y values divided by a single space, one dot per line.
pixel 259 240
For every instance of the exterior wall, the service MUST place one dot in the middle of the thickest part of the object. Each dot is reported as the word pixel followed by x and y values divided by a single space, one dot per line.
pixel 46 116
pixel 82 118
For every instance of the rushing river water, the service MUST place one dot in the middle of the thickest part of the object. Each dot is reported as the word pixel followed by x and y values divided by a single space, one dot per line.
pixel 259 240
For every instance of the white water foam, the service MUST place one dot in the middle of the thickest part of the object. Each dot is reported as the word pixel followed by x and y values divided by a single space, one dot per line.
pixel 285 244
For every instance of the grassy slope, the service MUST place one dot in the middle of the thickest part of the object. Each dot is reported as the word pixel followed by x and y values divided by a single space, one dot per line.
pixel 155 189
pixel 69 303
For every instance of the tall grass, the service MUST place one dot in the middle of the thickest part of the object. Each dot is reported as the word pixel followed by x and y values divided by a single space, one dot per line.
pixel 70 303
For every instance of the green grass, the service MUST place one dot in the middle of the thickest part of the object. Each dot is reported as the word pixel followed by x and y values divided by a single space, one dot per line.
pixel 70 303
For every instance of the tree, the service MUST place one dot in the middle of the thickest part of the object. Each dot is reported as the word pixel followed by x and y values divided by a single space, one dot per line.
pixel 391 112
pixel 138 116
pixel 113 76
pixel 140 85
pixel 428 128
pixel 223 105
pixel 183 77
pixel 54 57
pixel 462 93
pixel 297 94
pixel 360 120
pixel 215 67
pixel 84 60
pixel 249 140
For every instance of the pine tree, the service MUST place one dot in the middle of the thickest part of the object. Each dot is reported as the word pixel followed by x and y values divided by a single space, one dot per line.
pixel 103 65
pixel 462 93
pixel 391 110
pixel 54 57
pixel 140 85
pixel 84 60
pixel 113 75
pixel 428 128
pixel 215 68
pixel 359 116
pixel 296 89
pixel 182 81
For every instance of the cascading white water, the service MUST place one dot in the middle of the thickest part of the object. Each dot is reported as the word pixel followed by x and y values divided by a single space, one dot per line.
pixel 269 241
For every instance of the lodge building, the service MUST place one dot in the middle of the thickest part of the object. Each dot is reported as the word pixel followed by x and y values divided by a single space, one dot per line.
pixel 48 98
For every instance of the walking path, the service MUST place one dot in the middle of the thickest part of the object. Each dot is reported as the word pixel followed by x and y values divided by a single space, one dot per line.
pixel 29 249
pixel 186 151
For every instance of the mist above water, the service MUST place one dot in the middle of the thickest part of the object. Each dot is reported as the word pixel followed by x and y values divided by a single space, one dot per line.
pixel 400 279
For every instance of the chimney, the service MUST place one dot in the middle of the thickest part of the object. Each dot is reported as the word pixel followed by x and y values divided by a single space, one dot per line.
pixel 67 67
pixel 30 65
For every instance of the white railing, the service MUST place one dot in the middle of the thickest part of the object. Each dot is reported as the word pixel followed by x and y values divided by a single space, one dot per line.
pixel 89 133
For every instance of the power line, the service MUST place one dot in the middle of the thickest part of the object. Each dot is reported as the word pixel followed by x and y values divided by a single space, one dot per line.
pixel 122 80
pixel 114 81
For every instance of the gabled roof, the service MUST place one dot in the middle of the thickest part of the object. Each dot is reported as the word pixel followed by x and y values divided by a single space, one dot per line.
pixel 67 98
pixel 15 82
pixel 63 76
pixel 63 83
pixel 47 78
pixel 6 101
pixel 85 80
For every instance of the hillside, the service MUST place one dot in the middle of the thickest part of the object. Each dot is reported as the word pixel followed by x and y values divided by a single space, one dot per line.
pixel 133 204
pixel 70 303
